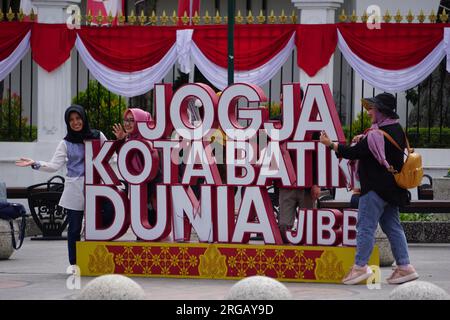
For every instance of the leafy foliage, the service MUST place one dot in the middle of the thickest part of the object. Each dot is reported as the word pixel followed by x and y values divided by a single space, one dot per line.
pixel 359 125
pixel 429 137
pixel 415 217
pixel 13 125
pixel 274 109
pixel 103 107
pixel 423 137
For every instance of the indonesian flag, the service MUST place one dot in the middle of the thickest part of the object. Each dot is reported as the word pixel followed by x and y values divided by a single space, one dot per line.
pixel 26 7
pixel 188 6
pixel 105 7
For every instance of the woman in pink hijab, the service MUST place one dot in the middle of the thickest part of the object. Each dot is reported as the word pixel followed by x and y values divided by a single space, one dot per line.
pixel 130 130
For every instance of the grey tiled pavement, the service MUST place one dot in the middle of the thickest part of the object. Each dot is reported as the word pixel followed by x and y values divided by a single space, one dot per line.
pixel 37 271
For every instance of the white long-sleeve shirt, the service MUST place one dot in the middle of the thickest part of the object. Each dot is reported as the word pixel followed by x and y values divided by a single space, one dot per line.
pixel 73 194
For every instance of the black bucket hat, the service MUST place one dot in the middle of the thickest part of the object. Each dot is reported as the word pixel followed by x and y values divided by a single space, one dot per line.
pixel 384 102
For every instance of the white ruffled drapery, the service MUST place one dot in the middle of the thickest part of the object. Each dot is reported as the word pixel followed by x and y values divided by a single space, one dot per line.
pixel 447 46
pixel 184 45
pixel 393 80
pixel 8 64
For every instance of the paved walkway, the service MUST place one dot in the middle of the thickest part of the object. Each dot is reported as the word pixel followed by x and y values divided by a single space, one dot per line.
pixel 37 271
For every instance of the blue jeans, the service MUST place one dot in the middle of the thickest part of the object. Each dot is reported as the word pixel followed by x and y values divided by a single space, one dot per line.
pixel 354 201
pixel 374 210
pixel 75 219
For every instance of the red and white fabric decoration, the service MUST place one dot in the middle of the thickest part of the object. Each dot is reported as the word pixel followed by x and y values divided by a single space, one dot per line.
pixel 128 60
pixel 51 44
pixel 316 44
pixel 447 46
pixel 396 57
pixel 14 44
pixel 259 52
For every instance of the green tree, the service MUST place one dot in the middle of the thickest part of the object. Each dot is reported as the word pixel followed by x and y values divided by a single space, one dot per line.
pixel 103 107
pixel 359 125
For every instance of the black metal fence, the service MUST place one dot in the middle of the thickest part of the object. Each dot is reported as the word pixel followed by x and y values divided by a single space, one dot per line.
pixel 17 103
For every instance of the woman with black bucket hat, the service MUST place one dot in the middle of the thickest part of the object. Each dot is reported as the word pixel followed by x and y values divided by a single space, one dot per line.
pixel 380 196
pixel 70 151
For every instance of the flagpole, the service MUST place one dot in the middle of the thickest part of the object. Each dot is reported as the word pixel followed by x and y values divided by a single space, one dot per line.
pixel 231 10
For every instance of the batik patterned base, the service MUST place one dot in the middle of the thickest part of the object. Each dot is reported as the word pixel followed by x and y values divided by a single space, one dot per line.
pixel 217 261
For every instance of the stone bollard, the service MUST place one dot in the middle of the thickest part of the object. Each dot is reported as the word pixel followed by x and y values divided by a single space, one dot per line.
pixel 418 290
pixel 259 288
pixel 112 287
pixel 381 240
pixel 6 248
pixel 441 191
pixel 2 191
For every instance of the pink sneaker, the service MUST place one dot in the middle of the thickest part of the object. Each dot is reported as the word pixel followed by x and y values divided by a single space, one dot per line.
pixel 357 274
pixel 403 275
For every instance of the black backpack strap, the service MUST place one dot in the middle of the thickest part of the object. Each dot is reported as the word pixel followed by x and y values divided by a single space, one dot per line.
pixel 22 227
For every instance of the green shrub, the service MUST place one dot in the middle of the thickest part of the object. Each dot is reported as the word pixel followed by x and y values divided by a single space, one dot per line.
pixel 13 125
pixel 415 217
pixel 358 126
pixel 274 109
pixel 103 107
pixel 432 138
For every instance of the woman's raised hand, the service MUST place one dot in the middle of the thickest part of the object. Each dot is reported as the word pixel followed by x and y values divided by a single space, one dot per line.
pixel 119 132
pixel 324 139
pixel 357 138
pixel 24 162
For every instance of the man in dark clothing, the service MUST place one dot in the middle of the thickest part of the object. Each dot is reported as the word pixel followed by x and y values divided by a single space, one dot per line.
pixel 380 195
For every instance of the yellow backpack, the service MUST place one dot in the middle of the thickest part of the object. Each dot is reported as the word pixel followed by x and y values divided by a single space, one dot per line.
pixel 412 172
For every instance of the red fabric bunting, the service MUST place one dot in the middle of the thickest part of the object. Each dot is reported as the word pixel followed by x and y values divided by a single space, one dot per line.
pixel 394 46
pixel 51 44
pixel 315 46
pixel 11 34
pixel 133 48
pixel 254 45
pixel 128 48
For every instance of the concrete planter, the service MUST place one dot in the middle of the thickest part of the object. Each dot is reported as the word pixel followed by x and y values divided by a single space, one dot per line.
pixel 6 248
pixel 427 231
pixel 32 229
pixel 441 188
pixel 384 248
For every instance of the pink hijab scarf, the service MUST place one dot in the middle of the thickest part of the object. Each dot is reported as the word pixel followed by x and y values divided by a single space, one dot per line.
pixel 375 140
pixel 139 115
pixel 375 137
